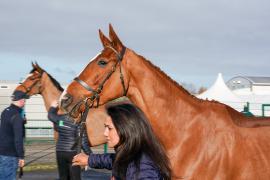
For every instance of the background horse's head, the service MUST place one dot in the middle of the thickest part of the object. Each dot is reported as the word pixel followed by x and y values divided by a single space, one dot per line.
pixel 31 85
pixel 103 79
pixel 40 82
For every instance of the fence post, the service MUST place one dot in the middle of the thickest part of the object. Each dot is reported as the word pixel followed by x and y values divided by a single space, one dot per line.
pixel 263 108
pixel 105 148
pixel 246 111
pixel 248 106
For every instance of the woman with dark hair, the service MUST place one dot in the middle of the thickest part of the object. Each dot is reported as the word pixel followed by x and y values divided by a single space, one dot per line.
pixel 138 153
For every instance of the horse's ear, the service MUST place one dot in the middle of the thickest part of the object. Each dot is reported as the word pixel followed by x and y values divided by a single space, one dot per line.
pixel 115 40
pixel 104 40
pixel 39 69
pixel 33 65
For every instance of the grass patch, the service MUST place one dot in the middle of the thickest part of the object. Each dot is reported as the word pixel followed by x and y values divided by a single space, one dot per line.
pixel 31 141
pixel 39 166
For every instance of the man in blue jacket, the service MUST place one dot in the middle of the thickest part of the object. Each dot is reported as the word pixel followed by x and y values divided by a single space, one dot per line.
pixel 11 137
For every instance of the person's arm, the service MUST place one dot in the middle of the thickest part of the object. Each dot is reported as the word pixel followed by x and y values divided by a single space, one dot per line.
pixel 99 161
pixel 52 115
pixel 17 123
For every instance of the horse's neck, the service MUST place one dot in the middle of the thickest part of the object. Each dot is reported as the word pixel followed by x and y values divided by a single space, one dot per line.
pixel 49 92
pixel 155 93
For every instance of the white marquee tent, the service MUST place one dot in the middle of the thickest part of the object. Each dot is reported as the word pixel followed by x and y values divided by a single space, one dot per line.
pixel 220 92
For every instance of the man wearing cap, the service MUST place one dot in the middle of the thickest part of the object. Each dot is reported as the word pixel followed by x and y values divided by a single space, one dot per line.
pixel 11 137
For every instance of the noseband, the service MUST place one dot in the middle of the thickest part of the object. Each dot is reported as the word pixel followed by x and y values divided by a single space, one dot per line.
pixel 96 92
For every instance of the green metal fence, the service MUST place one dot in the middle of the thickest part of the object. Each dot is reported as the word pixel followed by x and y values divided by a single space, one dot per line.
pixel 264 106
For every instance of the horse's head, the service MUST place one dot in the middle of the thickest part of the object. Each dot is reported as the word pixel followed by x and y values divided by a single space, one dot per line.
pixel 103 79
pixel 31 85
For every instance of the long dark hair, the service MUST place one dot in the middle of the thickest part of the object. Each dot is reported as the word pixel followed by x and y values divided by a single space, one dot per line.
pixel 136 138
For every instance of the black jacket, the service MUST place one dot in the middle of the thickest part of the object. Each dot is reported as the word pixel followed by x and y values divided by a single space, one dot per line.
pixel 68 133
pixel 11 132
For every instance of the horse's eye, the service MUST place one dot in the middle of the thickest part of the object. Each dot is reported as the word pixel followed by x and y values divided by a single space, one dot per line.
pixel 102 63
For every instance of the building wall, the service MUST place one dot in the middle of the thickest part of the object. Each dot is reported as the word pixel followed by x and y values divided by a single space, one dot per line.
pixel 256 95
pixel 260 89
pixel 240 84
pixel 6 89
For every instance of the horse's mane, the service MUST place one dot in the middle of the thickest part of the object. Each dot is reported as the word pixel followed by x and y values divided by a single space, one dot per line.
pixel 54 81
pixel 181 88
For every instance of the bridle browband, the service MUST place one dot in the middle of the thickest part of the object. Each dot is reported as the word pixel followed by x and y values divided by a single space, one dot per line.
pixel 28 89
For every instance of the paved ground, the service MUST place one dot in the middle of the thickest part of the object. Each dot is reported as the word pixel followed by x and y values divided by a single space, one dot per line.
pixel 46 150
pixel 42 163
pixel 53 175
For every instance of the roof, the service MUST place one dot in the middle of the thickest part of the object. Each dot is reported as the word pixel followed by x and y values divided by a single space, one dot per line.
pixel 256 80
pixel 259 80
pixel 8 82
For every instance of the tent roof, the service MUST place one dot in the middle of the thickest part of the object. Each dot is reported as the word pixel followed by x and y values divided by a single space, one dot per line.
pixel 220 92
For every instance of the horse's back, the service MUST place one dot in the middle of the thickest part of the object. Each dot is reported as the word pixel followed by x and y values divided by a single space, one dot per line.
pixel 220 148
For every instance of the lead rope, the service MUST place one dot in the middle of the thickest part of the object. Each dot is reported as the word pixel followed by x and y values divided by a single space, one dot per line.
pixel 82 125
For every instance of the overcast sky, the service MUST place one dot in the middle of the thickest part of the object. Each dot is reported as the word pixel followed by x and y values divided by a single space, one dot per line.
pixel 191 40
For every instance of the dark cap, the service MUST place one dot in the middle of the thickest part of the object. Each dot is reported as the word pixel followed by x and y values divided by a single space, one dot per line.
pixel 17 95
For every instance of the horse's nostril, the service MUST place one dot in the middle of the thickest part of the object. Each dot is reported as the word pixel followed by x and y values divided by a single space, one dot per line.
pixel 66 100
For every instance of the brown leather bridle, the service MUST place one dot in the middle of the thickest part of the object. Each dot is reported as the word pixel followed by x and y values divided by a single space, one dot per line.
pixel 95 92
pixel 95 95
pixel 28 89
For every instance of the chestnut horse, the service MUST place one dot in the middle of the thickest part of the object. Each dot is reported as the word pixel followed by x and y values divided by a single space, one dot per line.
pixel 40 82
pixel 203 139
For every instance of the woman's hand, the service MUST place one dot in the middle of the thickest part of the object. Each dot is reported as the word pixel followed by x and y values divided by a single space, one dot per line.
pixel 80 160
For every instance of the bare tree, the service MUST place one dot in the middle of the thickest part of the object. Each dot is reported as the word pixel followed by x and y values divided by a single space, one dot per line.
pixel 202 89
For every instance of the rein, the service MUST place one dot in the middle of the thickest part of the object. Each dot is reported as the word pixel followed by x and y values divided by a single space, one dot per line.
pixel 82 125
pixel 96 93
